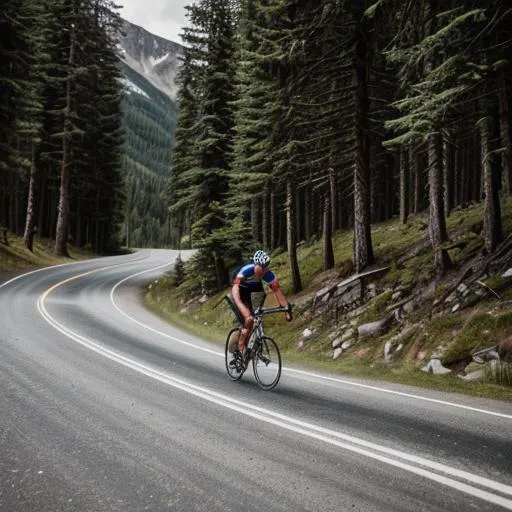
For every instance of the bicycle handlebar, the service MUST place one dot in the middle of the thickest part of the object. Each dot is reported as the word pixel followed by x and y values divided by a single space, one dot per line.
pixel 277 309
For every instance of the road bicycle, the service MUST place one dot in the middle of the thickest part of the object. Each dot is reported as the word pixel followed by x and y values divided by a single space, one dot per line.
pixel 261 350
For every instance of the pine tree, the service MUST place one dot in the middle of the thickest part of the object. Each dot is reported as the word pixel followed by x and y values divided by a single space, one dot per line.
pixel 206 180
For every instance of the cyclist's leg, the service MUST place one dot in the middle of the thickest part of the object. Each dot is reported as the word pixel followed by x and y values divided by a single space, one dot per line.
pixel 246 311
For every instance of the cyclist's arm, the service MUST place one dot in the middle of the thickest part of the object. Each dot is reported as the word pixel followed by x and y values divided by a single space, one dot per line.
pixel 276 288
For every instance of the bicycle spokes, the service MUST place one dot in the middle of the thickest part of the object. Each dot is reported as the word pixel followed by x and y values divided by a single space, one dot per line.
pixel 267 364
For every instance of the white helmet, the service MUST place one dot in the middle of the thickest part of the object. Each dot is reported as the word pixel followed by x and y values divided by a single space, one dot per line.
pixel 261 258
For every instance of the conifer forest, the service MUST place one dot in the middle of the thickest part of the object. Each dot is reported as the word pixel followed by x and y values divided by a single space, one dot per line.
pixel 60 122
pixel 296 119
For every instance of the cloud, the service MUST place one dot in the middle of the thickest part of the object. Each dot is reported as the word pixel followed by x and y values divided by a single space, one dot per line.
pixel 164 18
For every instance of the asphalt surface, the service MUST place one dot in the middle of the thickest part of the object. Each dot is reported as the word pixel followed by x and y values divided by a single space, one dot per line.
pixel 105 407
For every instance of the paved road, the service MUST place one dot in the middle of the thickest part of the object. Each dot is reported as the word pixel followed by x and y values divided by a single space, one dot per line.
pixel 104 407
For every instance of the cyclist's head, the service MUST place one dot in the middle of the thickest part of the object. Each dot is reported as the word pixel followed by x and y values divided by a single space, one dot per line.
pixel 261 258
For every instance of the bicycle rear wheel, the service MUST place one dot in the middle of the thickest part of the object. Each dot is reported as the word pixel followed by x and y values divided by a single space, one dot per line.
pixel 266 363
pixel 234 362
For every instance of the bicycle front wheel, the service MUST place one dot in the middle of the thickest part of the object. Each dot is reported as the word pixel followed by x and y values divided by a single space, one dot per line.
pixel 266 363
pixel 234 362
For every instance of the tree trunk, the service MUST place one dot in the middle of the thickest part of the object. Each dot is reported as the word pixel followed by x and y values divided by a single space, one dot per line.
pixel 63 218
pixel 447 177
pixel 415 181
pixel 333 199
pixel 255 219
pixel 404 189
pixel 493 233
pixel 31 214
pixel 437 222
pixel 506 157
pixel 291 223
pixel 273 219
pixel 328 251
pixel 78 223
pixel 456 177
pixel 363 249
pixel 476 168
pixel 265 217
pixel 220 271
pixel 307 212
pixel 465 182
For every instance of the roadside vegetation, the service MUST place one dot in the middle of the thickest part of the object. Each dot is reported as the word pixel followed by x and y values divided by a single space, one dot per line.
pixel 15 258
pixel 178 298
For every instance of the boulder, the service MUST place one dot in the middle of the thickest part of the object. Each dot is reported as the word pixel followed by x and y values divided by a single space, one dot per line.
pixel 470 377
pixel 435 366
pixel 488 354
pixel 336 343
pixel 377 328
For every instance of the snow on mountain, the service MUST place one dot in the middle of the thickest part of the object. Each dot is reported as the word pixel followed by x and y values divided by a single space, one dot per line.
pixel 153 57
pixel 131 87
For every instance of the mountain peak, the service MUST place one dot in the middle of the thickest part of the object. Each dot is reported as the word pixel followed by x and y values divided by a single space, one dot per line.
pixel 154 57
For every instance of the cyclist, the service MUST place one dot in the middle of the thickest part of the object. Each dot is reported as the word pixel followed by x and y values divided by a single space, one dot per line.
pixel 249 280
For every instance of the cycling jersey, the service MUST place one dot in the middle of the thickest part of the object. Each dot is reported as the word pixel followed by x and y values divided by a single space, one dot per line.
pixel 246 275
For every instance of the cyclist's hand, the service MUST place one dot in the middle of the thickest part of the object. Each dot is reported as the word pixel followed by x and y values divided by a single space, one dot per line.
pixel 288 315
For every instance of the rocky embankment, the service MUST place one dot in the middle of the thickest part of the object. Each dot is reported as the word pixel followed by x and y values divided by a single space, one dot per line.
pixel 363 309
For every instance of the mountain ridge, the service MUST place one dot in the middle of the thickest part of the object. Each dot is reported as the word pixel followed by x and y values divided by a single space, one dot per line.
pixel 155 58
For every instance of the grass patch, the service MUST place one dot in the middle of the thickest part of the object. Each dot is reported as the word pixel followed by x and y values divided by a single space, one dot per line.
pixel 16 256
pixel 481 330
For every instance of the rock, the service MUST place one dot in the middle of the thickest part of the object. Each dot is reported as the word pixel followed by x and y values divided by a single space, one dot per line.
pixel 488 354
pixel 508 273
pixel 505 350
pixel 396 295
pixel 307 333
pixel 452 297
pixel 375 328
pixel 387 351
pixel 439 352
pixel 346 344
pixel 479 374
pixel 337 353
pixel 409 307
pixel 348 334
pixel 462 288
pixel 357 312
pixel 455 308
pixel 390 348
pixel 336 343
pixel 435 366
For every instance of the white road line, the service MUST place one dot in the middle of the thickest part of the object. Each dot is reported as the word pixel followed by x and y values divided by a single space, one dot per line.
pixel 26 274
pixel 328 436
pixel 293 370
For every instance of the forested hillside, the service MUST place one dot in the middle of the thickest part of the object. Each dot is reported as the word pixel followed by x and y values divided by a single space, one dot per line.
pixel 149 119
pixel 300 119
pixel 60 122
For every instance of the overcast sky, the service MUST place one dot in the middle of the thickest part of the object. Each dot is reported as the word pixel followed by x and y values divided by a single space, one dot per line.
pixel 163 18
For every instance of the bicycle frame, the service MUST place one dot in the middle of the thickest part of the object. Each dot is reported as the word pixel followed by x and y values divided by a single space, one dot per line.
pixel 257 330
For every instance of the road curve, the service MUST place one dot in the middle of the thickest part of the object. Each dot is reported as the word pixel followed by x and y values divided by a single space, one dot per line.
pixel 105 407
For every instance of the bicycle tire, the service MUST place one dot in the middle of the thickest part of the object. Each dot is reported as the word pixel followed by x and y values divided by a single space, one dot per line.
pixel 236 372
pixel 267 354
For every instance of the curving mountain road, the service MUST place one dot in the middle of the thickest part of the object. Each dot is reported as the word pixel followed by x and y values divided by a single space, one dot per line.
pixel 104 407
